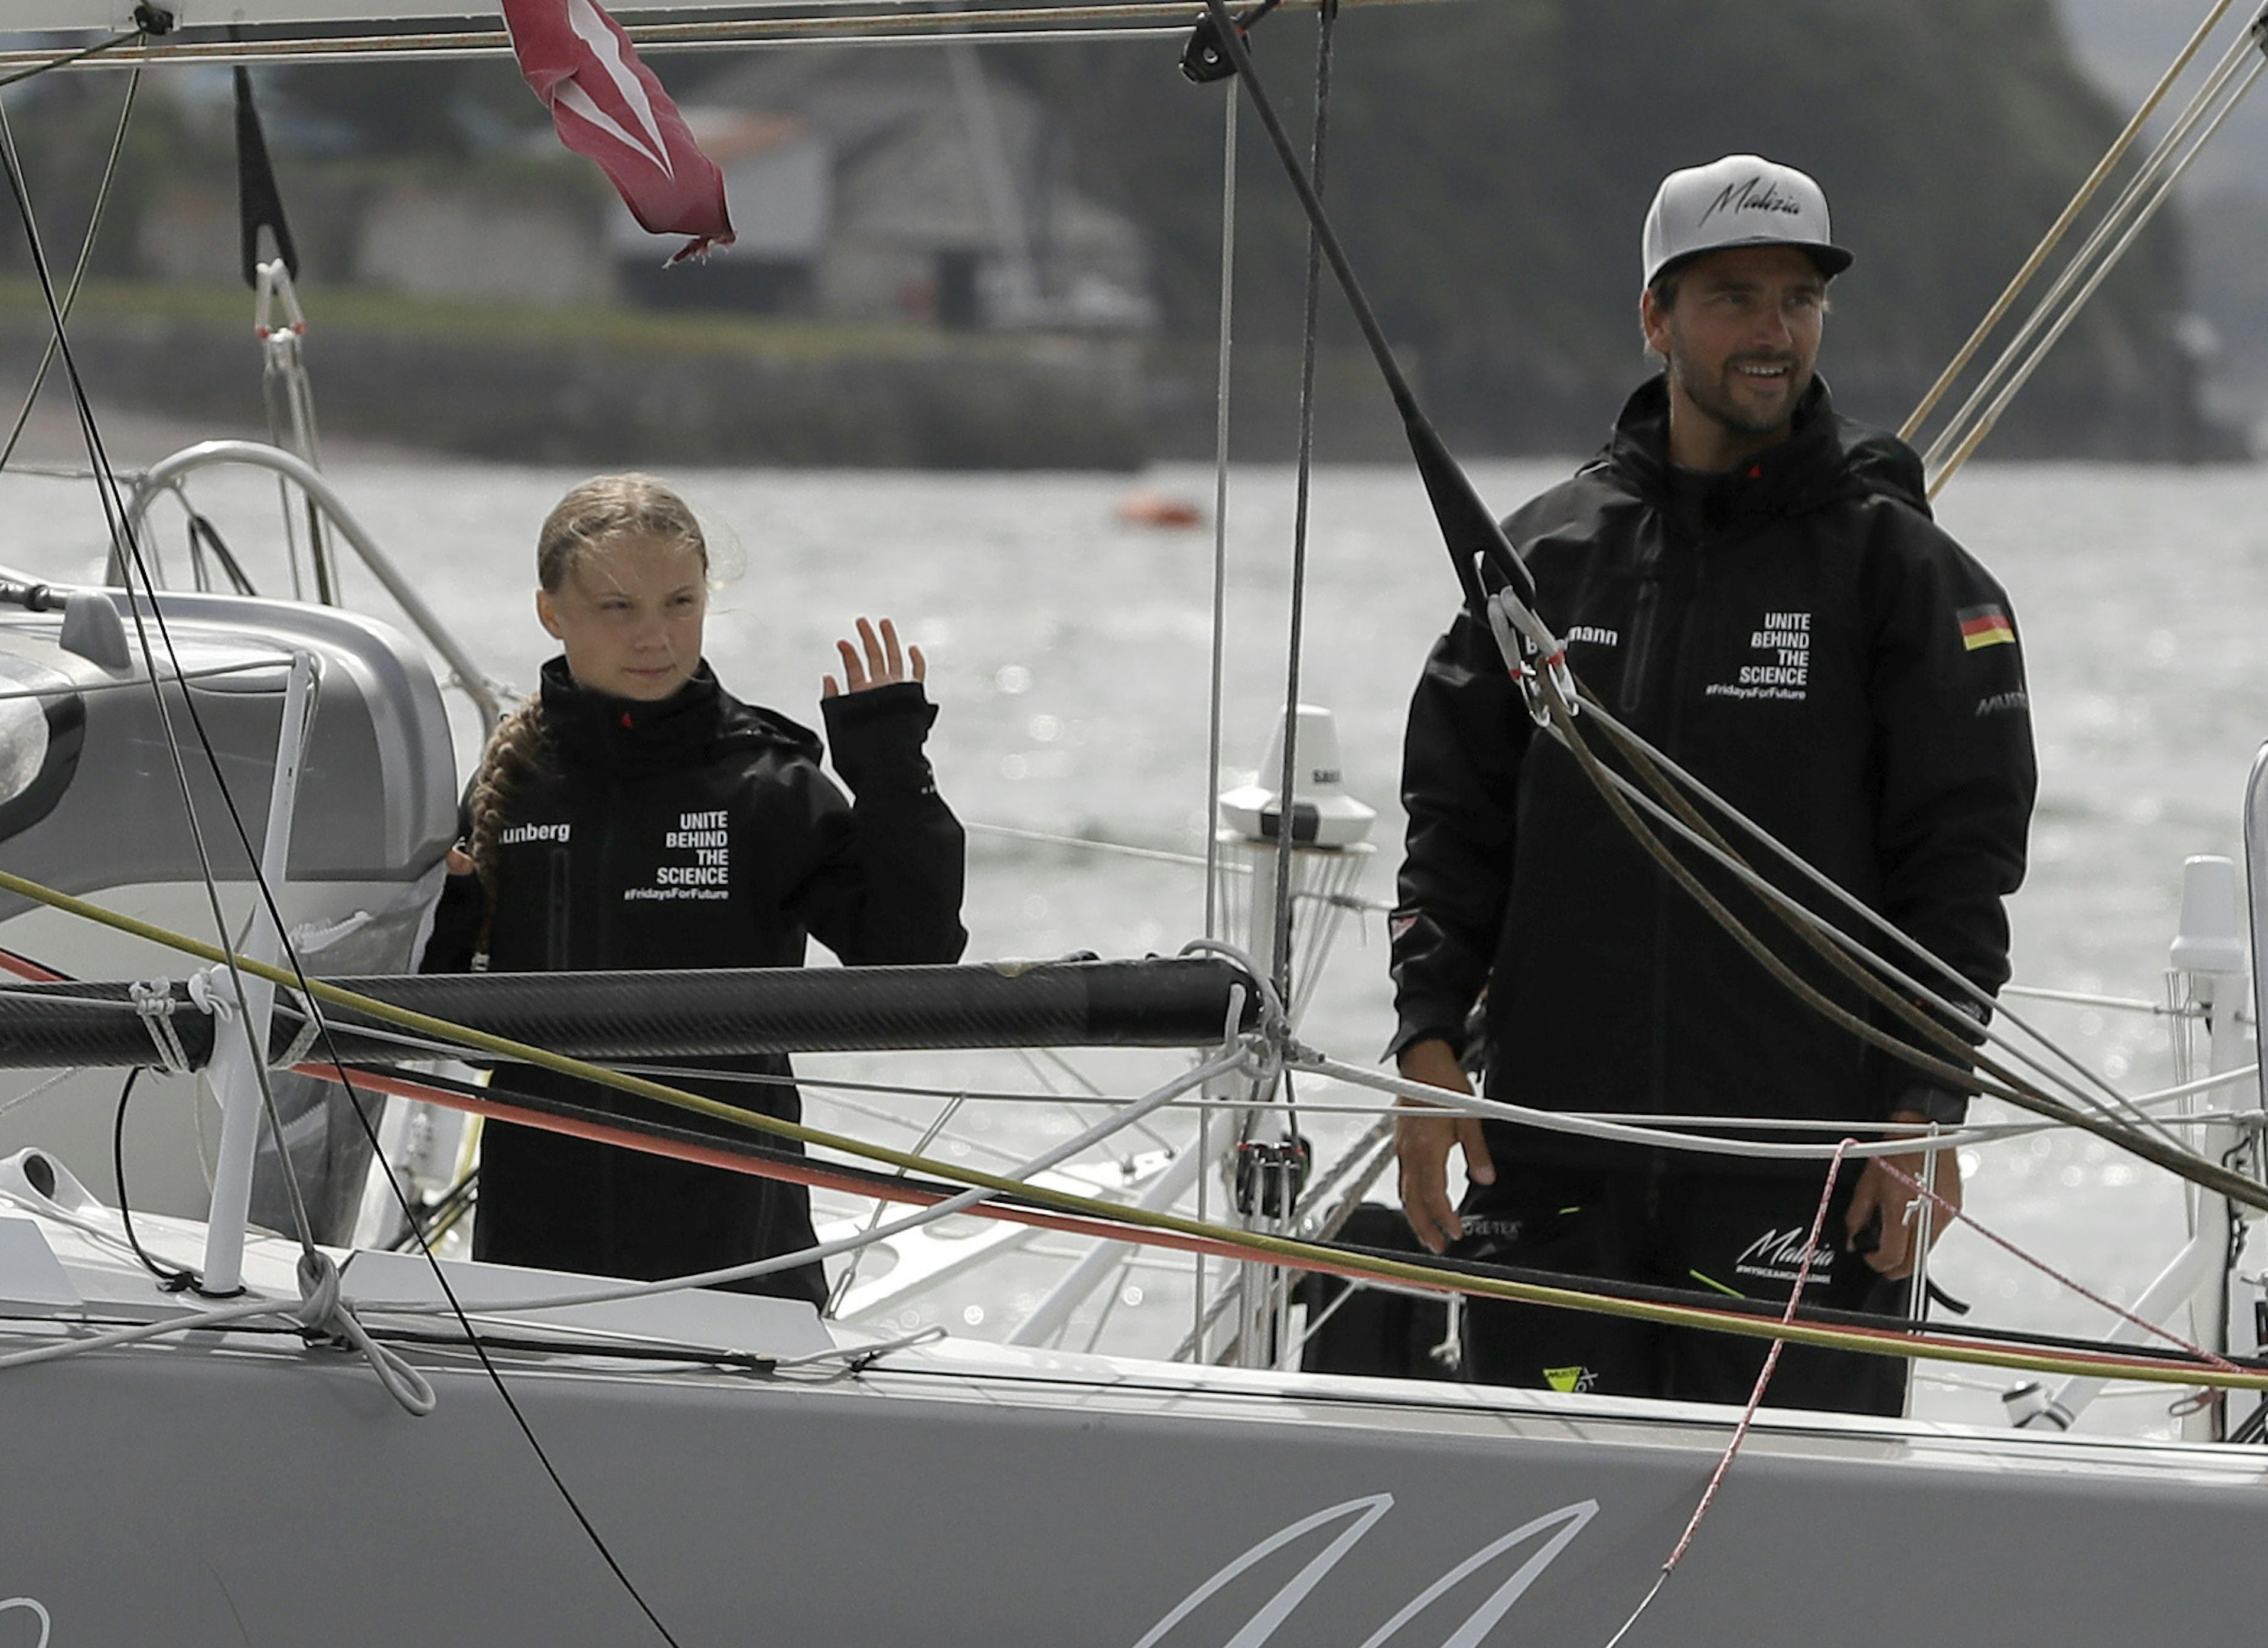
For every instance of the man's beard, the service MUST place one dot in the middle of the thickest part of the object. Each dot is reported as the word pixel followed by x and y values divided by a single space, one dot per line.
pixel 1713 398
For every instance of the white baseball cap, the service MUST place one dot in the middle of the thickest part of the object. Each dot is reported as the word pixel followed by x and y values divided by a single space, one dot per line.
pixel 1742 200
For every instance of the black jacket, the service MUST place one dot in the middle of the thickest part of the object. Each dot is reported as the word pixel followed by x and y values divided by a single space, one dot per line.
pixel 698 832
pixel 1798 633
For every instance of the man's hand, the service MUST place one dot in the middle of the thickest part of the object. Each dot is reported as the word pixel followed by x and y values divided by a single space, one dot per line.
pixel 885 664
pixel 1879 1193
pixel 1422 1138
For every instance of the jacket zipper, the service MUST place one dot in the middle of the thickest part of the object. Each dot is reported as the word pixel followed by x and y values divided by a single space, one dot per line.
pixel 555 948
pixel 606 898
pixel 1640 653
pixel 1673 706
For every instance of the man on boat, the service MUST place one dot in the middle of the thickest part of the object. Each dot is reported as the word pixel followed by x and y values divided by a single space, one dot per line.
pixel 1753 584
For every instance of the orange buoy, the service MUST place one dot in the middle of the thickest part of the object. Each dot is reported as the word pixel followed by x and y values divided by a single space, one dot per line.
pixel 1155 509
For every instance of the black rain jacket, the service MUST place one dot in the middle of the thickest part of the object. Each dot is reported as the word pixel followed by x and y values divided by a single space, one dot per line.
pixel 697 831
pixel 1798 633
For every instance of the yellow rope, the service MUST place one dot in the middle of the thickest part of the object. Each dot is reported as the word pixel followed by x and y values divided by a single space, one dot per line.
pixel 1305 1255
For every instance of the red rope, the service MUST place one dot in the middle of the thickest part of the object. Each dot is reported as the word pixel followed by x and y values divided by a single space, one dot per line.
pixel 820 1175
pixel 1957 1213
pixel 24 968
pixel 1755 1398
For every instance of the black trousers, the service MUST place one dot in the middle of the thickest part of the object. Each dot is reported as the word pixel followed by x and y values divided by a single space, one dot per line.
pixel 1662 1222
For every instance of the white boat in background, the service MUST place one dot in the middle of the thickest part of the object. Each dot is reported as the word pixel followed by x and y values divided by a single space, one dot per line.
pixel 364 1443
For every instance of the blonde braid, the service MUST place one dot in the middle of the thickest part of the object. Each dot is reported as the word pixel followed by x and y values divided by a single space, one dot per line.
pixel 515 754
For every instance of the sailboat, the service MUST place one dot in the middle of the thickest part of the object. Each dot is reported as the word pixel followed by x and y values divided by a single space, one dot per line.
pixel 219 1434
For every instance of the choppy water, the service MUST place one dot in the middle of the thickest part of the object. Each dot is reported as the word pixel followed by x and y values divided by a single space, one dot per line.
pixel 1070 655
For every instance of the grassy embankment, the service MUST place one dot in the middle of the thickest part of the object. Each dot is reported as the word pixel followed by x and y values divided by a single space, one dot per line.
pixel 603 384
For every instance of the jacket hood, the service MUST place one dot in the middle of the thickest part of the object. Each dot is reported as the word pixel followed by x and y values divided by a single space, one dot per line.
pixel 698 723
pixel 1826 458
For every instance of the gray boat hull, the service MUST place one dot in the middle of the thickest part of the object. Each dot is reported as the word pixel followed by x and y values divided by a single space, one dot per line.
pixel 229 1492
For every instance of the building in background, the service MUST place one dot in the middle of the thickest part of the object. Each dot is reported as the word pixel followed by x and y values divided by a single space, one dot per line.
pixel 897 185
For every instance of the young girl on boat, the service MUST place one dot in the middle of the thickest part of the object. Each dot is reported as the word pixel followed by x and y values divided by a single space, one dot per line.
pixel 634 814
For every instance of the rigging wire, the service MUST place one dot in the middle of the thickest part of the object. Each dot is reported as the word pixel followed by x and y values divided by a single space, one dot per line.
pixel 1172 1231
pixel 1208 817
pixel 1090 1215
pixel 2021 373
pixel 2165 1154
pixel 1912 427
pixel 126 547
pixel 1474 537
pixel 1108 19
pixel 1222 376
pixel 849 1279
pixel 320 1309
pixel 86 251
pixel 1961 985
pixel 1026 1204
pixel 1303 483
pixel 1689 829
pixel 148 23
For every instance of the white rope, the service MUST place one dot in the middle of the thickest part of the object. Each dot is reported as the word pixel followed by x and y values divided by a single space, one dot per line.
pixel 153 1002
pixel 319 1309
pixel 303 1041
pixel 322 1310
pixel 30 1094
pixel 110 1234
pixel 1208 861
pixel 1116 850
pixel 2111 1004
pixel 1590 1126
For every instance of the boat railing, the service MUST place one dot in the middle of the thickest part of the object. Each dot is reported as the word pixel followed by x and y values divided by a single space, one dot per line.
pixel 488 697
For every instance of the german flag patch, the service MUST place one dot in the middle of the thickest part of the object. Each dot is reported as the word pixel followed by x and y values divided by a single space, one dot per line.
pixel 1985 626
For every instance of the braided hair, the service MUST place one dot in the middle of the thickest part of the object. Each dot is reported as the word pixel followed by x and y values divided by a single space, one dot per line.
pixel 599 512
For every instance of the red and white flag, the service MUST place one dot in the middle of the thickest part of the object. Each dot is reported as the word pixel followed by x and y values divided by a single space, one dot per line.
pixel 608 107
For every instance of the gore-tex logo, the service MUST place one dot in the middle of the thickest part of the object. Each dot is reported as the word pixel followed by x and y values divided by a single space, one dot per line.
pixel 1755 195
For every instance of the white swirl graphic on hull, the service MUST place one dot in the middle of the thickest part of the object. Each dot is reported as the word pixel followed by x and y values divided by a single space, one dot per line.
pixel 1361 1515
pixel 30 1605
